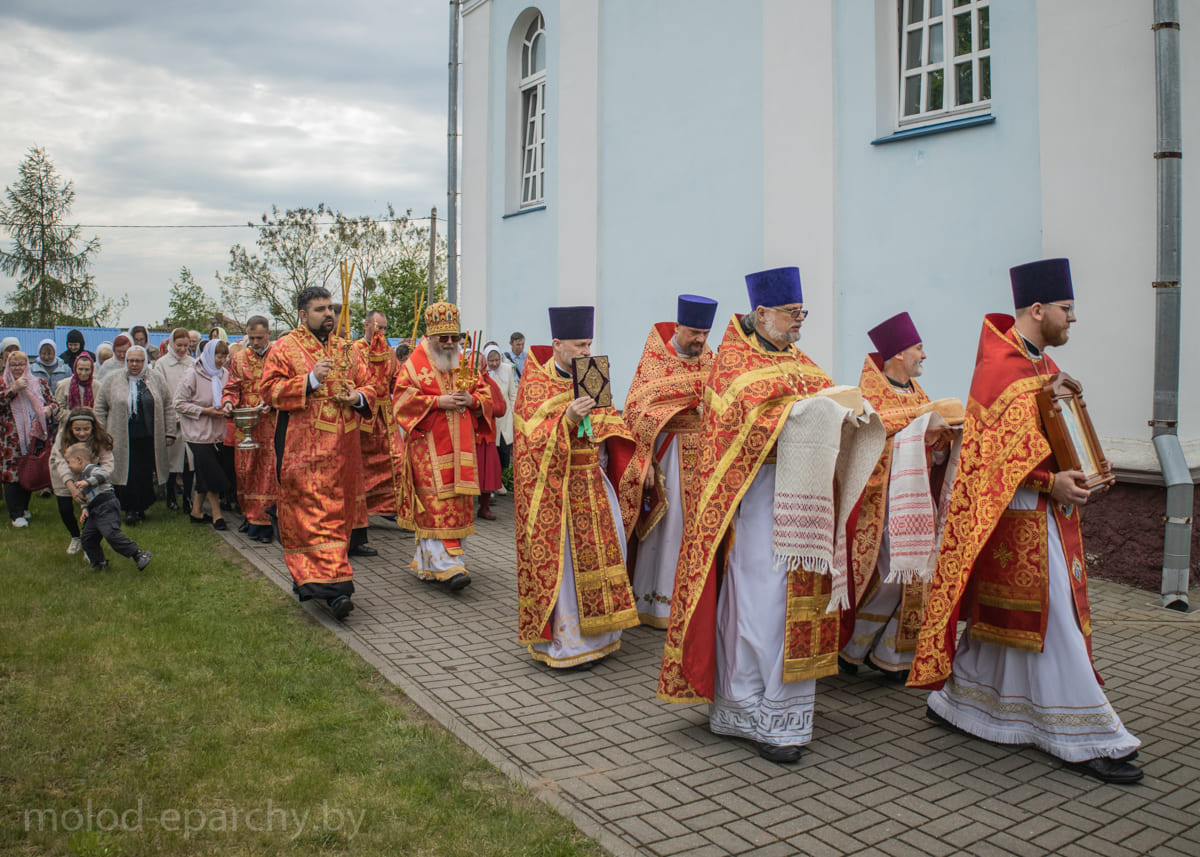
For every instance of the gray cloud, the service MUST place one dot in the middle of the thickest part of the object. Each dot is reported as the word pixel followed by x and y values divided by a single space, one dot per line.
pixel 189 113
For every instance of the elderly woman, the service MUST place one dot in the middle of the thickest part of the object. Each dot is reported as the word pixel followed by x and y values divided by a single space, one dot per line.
pixel 172 368
pixel 25 407
pixel 78 391
pixel 202 418
pixel 8 345
pixel 115 365
pixel 47 366
pixel 80 426
pixel 137 409
pixel 504 374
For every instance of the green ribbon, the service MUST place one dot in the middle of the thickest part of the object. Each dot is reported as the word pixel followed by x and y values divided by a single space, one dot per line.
pixel 585 427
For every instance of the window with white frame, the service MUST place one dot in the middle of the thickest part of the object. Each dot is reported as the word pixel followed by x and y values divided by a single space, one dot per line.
pixel 945 60
pixel 533 113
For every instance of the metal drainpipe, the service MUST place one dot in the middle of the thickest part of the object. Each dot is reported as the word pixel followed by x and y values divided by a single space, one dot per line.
pixel 1177 540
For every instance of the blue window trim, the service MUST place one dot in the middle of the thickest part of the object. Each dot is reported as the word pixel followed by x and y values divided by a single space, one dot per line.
pixel 940 127
pixel 523 211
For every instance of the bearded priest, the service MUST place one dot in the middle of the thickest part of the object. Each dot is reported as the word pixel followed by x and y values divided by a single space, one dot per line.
pixel 318 388
pixel 573 594
pixel 441 410
pixel 662 411
pixel 1012 561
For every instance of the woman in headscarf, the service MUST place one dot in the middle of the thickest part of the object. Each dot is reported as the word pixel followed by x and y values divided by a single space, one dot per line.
pixel 47 366
pixel 8 345
pixel 78 391
pixel 104 353
pixel 137 409
pixel 80 426
pixel 75 347
pixel 486 457
pixel 26 406
pixel 116 364
pixel 202 419
pixel 140 334
pixel 218 333
pixel 504 374
pixel 172 368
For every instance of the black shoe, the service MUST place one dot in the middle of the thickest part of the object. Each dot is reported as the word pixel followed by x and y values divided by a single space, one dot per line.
pixel 845 667
pixel 1128 757
pixel 898 676
pixel 363 550
pixel 942 721
pixel 787 755
pixel 586 666
pixel 219 524
pixel 100 566
pixel 266 540
pixel 1109 770
pixel 341 606
pixel 185 503
pixel 458 582
pixel 142 558
pixel 172 505
pixel 226 506
pixel 244 526
pixel 205 519
pixel 131 519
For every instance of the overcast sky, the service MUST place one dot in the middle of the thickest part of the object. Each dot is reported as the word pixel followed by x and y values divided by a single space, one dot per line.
pixel 173 112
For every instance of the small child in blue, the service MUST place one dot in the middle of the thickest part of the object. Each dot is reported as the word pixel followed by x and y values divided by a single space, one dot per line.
pixel 101 511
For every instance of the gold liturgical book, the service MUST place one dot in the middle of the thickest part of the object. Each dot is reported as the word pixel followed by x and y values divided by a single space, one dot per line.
pixel 590 377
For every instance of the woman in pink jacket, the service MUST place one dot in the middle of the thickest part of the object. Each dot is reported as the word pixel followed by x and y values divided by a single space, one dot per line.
pixel 202 422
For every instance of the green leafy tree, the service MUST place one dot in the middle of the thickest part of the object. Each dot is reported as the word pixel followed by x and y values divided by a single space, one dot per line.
pixel 303 247
pixel 396 294
pixel 47 257
pixel 189 305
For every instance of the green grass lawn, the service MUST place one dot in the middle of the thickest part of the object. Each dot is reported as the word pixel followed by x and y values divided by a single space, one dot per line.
pixel 193 708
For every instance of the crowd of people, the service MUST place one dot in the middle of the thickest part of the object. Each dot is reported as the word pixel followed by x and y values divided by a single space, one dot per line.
pixel 778 527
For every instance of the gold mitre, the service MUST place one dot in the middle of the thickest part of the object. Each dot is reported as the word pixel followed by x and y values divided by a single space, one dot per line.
pixel 441 317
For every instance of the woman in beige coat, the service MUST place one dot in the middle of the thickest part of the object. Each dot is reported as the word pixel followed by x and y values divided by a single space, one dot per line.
pixel 138 410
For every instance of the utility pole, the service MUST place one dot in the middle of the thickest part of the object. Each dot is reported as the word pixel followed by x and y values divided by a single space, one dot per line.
pixel 452 164
pixel 432 256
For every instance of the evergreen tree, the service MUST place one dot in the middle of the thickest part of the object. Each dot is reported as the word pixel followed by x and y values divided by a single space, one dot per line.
pixel 52 282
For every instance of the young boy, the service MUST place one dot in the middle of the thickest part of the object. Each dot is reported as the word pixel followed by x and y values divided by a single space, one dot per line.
pixel 101 511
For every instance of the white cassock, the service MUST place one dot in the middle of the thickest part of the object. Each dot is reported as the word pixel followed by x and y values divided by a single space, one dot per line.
pixel 568 647
pixel 750 698
pixel 1050 699
pixel 878 620
pixel 658 556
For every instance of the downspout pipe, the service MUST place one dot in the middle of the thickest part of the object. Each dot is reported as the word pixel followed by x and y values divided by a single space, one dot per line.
pixel 1168 157
pixel 452 163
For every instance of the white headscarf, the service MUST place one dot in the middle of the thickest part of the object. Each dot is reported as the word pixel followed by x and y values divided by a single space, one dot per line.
pixel 208 362
pixel 488 349
pixel 134 379
pixel 53 358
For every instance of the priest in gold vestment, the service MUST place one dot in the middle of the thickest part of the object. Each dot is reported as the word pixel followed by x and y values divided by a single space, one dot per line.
pixel 1012 561
pixel 441 408
pixel 318 386
pixel 573 594
pixel 745 632
pixel 896 517
pixel 662 410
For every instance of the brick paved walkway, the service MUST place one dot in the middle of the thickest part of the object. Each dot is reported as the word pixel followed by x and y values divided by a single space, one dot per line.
pixel 645 777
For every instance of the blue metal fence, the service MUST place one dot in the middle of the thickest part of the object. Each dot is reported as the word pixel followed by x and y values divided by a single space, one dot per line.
pixel 29 337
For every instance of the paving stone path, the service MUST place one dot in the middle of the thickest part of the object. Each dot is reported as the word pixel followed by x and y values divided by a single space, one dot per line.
pixel 645 777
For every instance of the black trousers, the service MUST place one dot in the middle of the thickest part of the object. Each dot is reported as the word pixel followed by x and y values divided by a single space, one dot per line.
pixel 16 498
pixel 66 511
pixel 104 522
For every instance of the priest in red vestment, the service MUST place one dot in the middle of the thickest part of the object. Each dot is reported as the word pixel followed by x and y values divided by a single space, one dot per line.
pixel 319 387
pixel 382 441
pixel 257 488
pixel 441 409
pixel 573 594
pixel 1012 561
pixel 662 410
